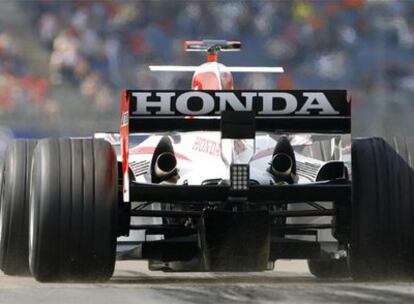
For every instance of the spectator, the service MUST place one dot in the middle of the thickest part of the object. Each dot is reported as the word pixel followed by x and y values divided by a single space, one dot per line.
pixel 18 89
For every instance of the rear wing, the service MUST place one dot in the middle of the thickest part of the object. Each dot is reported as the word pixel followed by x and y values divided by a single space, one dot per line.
pixel 293 111
pixel 233 69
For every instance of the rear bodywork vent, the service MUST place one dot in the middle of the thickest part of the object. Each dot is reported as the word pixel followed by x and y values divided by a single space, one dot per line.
pixel 139 167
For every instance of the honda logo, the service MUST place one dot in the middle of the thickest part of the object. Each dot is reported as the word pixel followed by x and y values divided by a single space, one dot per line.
pixel 212 103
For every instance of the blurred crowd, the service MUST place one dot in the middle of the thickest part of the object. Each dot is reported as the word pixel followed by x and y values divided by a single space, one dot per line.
pixel 99 47
pixel 19 91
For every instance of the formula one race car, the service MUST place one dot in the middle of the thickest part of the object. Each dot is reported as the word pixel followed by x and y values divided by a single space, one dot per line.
pixel 211 179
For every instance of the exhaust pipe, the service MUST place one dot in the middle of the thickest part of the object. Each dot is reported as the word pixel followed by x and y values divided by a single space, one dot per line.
pixel 165 166
pixel 281 165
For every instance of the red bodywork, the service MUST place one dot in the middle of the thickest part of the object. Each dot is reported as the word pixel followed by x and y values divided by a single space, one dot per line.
pixel 125 143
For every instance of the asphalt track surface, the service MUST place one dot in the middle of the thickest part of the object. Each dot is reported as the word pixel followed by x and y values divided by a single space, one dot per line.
pixel 133 283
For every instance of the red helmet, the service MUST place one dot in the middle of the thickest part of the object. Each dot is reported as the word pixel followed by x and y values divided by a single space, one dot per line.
pixel 212 76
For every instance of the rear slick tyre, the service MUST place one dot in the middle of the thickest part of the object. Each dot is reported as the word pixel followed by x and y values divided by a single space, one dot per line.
pixel 14 207
pixel 382 238
pixel 73 210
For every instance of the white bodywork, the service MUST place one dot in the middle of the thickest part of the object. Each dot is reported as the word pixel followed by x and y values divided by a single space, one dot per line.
pixel 199 159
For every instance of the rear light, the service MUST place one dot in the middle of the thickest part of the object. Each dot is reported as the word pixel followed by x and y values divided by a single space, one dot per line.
pixel 239 177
